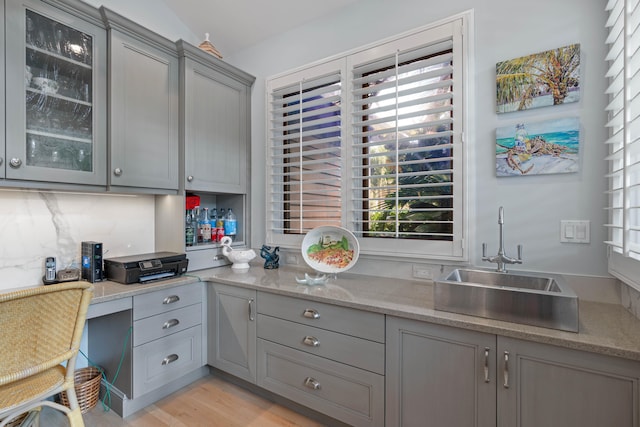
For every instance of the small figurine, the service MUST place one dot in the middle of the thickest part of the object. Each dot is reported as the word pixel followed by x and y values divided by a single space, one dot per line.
pixel 239 258
pixel 271 257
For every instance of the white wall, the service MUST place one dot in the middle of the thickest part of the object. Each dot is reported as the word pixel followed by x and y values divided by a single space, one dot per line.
pixel 34 225
pixel 152 14
pixel 504 29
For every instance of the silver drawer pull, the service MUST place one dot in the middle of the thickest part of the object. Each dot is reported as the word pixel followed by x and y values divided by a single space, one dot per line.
pixel 251 316
pixel 311 341
pixel 170 323
pixel 486 364
pixel 169 359
pixel 311 383
pixel 171 299
pixel 310 313
pixel 505 372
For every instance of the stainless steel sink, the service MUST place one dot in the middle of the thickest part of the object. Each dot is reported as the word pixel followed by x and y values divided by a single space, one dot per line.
pixel 528 298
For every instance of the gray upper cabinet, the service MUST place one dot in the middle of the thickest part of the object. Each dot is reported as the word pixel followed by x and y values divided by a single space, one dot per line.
pixel 215 111
pixel 56 85
pixel 143 108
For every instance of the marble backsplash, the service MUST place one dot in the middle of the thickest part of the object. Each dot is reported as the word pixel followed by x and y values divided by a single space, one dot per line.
pixel 38 224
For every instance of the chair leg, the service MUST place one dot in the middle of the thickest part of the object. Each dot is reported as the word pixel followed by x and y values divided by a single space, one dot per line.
pixel 32 420
pixel 75 418
pixel 74 415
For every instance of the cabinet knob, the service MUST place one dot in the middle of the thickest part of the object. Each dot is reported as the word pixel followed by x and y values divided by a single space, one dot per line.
pixel 117 171
pixel 0 161
pixel 169 359
pixel 310 313
pixel 171 299
pixel 190 178
pixel 15 163
pixel 170 323
pixel 312 383
pixel 311 341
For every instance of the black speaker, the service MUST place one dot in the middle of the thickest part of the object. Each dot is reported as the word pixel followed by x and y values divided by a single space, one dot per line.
pixel 92 261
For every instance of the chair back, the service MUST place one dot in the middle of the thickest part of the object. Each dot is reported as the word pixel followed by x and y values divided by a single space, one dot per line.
pixel 40 328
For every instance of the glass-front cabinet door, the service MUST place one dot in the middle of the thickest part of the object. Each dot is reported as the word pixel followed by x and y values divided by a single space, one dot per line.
pixel 55 94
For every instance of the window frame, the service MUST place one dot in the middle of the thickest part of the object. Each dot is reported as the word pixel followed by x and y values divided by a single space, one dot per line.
pixel 458 27
pixel 622 241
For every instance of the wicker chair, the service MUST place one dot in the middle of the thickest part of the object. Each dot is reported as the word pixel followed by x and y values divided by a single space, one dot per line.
pixel 41 328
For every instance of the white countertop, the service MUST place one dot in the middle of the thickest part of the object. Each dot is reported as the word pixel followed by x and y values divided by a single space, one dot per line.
pixel 604 328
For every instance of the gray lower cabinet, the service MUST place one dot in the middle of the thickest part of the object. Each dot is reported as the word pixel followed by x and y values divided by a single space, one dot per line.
pixel 167 336
pixel 166 333
pixel 215 110
pixel 328 358
pixel 544 385
pixel 439 376
pixel 443 376
pixel 143 108
pixel 232 330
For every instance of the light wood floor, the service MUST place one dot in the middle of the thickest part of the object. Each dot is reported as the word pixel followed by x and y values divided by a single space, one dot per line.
pixel 210 402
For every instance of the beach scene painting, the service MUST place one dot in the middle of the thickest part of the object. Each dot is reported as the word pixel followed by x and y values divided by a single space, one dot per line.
pixel 540 80
pixel 546 147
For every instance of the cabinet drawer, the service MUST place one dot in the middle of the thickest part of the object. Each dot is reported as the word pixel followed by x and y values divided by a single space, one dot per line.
pixel 162 361
pixel 342 348
pixel 161 325
pixel 157 302
pixel 348 394
pixel 344 320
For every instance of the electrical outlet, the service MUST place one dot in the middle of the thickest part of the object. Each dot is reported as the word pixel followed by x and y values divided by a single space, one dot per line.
pixel 422 272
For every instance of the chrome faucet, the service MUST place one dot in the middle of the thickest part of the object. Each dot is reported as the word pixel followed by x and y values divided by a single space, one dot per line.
pixel 501 258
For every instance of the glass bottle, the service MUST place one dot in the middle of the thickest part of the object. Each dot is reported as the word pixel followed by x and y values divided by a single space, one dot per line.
pixel 189 228
pixel 213 219
pixel 221 218
pixel 198 224
pixel 230 224
pixel 206 226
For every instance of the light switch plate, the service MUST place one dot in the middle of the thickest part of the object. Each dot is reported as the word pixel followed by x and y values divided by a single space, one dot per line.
pixel 575 231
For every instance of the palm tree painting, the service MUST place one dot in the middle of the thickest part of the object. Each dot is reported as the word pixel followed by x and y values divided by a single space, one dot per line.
pixel 539 80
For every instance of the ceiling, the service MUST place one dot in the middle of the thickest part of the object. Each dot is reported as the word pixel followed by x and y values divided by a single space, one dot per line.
pixel 237 24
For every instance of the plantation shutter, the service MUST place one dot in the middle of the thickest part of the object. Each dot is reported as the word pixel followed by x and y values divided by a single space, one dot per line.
pixel 372 141
pixel 624 142
pixel 306 160
pixel 403 184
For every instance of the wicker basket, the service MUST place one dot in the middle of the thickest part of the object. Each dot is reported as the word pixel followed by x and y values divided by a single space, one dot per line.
pixel 18 420
pixel 87 386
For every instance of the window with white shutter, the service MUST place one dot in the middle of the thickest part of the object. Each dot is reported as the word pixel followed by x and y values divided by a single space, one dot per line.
pixel 372 141
pixel 306 154
pixel 623 111
pixel 403 145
